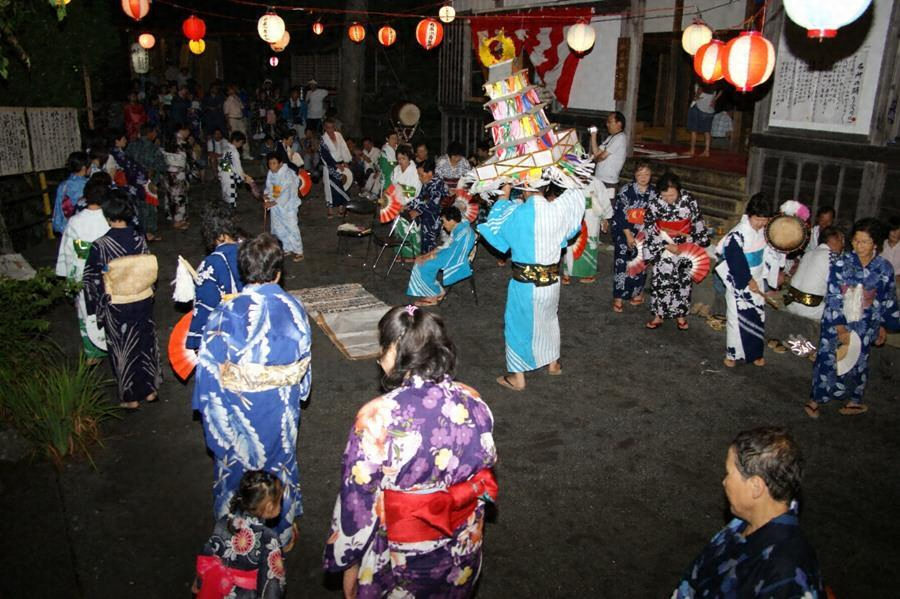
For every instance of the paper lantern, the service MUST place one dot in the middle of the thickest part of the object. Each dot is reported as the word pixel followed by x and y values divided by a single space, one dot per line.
pixel 136 9
pixel 318 28
pixel 695 35
pixel 356 32
pixel 270 27
pixel 748 60
pixel 822 18
pixel 197 46
pixel 447 14
pixel 140 59
pixel 708 61
pixel 429 33
pixel 193 28
pixel 387 35
pixel 273 61
pixel 281 44
pixel 146 40
pixel 581 37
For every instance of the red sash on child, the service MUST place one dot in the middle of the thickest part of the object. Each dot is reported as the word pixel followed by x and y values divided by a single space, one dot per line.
pixel 217 579
pixel 413 517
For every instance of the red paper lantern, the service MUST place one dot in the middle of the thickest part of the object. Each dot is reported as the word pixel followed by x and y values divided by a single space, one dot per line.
pixel 136 9
pixel 146 40
pixel 318 28
pixel 273 61
pixel 357 32
pixel 748 60
pixel 193 28
pixel 429 33
pixel 708 61
pixel 387 35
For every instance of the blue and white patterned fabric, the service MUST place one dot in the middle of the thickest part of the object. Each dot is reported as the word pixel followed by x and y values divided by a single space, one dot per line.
pixel 452 259
pixel 252 375
pixel 535 232
pixel 284 214
pixel 218 275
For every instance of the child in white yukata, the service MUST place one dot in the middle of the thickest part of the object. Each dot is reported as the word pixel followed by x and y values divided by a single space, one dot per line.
pixel 282 201
pixel 231 172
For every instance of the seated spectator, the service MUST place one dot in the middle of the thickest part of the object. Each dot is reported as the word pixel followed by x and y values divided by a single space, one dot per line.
pixel 761 552
pixel 824 218
pixel 452 259
pixel 807 289
pixel 421 153
pixel 452 165
pixel 268 146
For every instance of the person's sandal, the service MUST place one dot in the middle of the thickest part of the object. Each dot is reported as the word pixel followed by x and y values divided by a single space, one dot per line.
pixel 853 409
pixel 812 409
pixel 653 324
pixel 505 381
pixel 618 307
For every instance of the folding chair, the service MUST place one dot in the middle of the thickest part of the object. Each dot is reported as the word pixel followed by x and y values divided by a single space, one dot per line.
pixel 470 278
pixel 361 207
pixel 388 241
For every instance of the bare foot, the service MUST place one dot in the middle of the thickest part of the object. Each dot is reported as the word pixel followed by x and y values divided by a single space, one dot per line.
pixel 510 382
pixel 759 362
pixel 728 362
pixel 555 368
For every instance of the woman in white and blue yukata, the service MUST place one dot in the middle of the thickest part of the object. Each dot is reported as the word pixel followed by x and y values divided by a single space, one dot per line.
pixel 535 231
pixel 452 259
pixel 425 208
pixel 253 373
pixel 283 200
pixel 745 263
pixel 405 178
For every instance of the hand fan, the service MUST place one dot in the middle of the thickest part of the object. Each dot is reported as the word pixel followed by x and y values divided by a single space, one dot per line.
pixel 305 183
pixel 636 265
pixel 390 204
pixel 699 260
pixel 182 359
pixel 581 243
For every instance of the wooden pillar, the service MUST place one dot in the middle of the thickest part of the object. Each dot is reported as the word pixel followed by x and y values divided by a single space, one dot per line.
pixel 672 80
pixel 48 207
pixel 88 99
pixel 633 28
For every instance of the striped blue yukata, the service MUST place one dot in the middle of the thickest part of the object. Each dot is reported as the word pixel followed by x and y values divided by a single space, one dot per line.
pixel 535 232
pixel 452 259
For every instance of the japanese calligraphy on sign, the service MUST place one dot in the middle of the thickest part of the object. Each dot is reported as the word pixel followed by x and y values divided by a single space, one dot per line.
pixel 54 135
pixel 15 151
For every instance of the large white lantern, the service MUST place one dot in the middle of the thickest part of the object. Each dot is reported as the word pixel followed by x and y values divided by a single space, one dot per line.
pixel 270 27
pixel 447 14
pixel 695 35
pixel 140 59
pixel 581 37
pixel 822 18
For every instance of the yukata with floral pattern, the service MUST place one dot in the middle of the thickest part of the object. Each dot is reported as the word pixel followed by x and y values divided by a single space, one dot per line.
pixel 130 176
pixel 252 374
pixel 217 276
pixel 428 204
pixel 861 298
pixel 678 222
pixel 423 436
pixel 252 547
pixel 775 562
pixel 282 187
pixel 628 213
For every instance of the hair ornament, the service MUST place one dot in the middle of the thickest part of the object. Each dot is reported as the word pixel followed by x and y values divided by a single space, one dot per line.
pixel 410 309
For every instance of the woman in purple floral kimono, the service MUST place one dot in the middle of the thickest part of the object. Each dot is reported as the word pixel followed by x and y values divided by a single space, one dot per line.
pixel 416 473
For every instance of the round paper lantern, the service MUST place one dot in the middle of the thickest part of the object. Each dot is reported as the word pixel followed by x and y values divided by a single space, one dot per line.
pixel 581 37
pixel 146 40
pixel 387 35
pixel 429 33
pixel 447 14
pixel 136 9
pixel 273 61
pixel 708 61
pixel 281 44
pixel 193 28
pixel 270 27
pixel 140 59
pixel 357 32
pixel 695 35
pixel 822 18
pixel 748 60
pixel 318 28
pixel 197 46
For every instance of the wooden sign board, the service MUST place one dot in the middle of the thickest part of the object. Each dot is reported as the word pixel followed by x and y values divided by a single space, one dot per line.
pixel 620 90
pixel 15 150
pixel 54 135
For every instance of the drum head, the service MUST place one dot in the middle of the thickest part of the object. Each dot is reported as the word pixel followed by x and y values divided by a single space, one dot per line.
pixel 407 114
pixel 787 233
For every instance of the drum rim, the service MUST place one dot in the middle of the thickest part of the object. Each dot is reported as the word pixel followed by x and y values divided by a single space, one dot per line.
pixel 804 238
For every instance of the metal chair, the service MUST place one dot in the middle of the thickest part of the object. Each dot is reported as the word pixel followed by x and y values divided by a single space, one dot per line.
pixel 361 207
pixel 470 278
pixel 388 241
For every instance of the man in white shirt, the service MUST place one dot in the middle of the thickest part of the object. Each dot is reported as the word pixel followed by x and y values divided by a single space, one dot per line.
pixel 234 114
pixel 370 155
pixel 315 106
pixel 335 156
pixel 805 295
pixel 610 155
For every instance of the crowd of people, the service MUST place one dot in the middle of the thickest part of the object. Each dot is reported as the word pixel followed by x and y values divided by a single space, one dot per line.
pixel 417 468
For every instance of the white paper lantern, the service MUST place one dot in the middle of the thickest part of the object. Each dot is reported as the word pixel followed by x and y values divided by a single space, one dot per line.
pixel 447 14
pixel 581 37
pixel 822 18
pixel 270 27
pixel 281 44
pixel 140 59
pixel 695 35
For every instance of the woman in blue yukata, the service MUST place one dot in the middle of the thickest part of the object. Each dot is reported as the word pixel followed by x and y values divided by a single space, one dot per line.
pixel 417 472
pixel 253 373
pixel 860 304
pixel 743 268
pixel 762 552
pixel 629 271
pixel 283 201
pixel 451 258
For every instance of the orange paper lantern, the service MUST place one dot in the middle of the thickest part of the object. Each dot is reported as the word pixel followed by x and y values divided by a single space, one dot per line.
pixel 197 47
pixel 318 28
pixel 387 35
pixel 146 40
pixel 429 33
pixel 748 60
pixel 136 9
pixel 357 32
pixel 708 61
pixel 193 28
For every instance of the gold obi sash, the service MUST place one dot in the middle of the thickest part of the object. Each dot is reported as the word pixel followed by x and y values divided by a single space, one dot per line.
pixel 807 299
pixel 130 279
pixel 540 275
pixel 251 377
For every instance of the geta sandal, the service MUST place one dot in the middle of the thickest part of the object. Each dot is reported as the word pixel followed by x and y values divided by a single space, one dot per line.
pixel 617 307
pixel 504 381
pixel 653 324
pixel 812 409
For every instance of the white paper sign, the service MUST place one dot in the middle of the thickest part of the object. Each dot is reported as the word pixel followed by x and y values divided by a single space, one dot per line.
pixel 15 151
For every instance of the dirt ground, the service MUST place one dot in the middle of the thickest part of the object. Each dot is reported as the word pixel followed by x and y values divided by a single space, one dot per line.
pixel 610 475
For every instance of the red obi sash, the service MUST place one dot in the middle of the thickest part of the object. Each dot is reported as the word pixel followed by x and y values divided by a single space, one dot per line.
pixel 635 216
pixel 217 579
pixel 675 227
pixel 415 517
